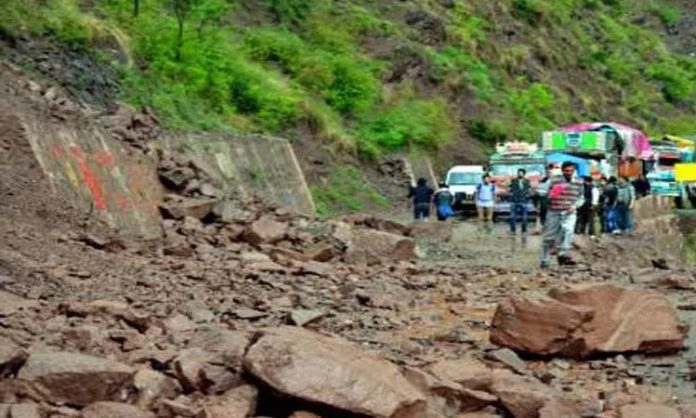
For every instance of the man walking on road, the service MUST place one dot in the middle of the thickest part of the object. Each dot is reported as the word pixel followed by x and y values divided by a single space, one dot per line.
pixel 565 197
pixel 625 198
pixel 520 191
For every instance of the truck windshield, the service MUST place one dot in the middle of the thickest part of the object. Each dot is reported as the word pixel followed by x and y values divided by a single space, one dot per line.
pixel 509 170
pixel 464 178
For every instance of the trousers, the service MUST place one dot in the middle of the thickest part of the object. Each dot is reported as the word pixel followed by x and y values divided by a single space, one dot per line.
pixel 559 227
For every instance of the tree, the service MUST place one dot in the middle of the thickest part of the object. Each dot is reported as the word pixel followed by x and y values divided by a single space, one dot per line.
pixel 136 8
pixel 182 9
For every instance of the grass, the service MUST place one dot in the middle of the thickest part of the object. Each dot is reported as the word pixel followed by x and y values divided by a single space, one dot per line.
pixel 346 191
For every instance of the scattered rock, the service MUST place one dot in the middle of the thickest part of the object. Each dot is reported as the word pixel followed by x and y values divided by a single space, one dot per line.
pixel 114 410
pixel 12 357
pixel 647 410
pixel 265 230
pixel 365 246
pixel 330 371
pixel 239 402
pixel 510 359
pixel 76 379
pixel 179 208
pixel 302 317
pixel 152 385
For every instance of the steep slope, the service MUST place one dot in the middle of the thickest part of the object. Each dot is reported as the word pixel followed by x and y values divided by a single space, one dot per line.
pixel 347 78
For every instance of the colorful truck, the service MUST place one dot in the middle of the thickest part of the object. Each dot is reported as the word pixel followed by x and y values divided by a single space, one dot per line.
pixel 503 166
pixel 661 174
pixel 599 148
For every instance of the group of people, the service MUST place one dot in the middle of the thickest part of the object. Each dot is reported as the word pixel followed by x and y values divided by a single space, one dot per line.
pixel 566 206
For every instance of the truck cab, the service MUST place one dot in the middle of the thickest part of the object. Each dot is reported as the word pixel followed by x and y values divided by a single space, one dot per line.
pixel 462 181
pixel 503 167
pixel 661 169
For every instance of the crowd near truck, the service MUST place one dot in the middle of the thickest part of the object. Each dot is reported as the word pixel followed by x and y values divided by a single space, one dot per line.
pixel 598 149
pixel 504 165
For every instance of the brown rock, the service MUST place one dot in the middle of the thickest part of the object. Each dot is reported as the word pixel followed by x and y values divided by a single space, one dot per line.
pixel 468 372
pixel 179 208
pixel 330 371
pixel 12 357
pixel 76 379
pixel 114 410
pixel 627 319
pixel 25 410
pixel 538 326
pixel 239 402
pixel 152 385
pixel 432 231
pixel 365 246
pixel 11 303
pixel 180 407
pixel 588 321
pixel 527 397
pixel 228 346
pixel 647 410
pixel 197 369
pixel 265 230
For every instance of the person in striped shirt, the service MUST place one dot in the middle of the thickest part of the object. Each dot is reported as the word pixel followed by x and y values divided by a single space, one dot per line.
pixel 565 196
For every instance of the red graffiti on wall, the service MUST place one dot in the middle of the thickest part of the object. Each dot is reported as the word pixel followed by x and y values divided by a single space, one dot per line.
pixel 105 158
pixel 91 180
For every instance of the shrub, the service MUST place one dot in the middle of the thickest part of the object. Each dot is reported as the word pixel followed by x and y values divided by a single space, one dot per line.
pixel 421 124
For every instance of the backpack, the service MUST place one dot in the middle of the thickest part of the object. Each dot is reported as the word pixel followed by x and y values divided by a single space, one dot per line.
pixel 444 198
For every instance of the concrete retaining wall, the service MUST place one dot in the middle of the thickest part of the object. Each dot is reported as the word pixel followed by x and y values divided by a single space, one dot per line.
pixel 654 215
pixel 97 173
pixel 249 165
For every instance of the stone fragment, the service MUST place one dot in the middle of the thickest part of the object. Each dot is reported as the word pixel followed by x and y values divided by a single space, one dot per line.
pixel 239 402
pixel 265 230
pixel 76 379
pixel 115 410
pixel 366 246
pixel 468 372
pixel 647 410
pixel 180 208
pixel 152 385
pixel 330 371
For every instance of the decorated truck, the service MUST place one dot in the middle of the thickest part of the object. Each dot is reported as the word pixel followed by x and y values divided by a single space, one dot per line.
pixel 597 149
pixel 666 155
pixel 503 166
pixel 611 148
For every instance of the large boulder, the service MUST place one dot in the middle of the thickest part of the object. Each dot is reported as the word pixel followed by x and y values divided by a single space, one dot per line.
pixel 587 321
pixel 366 246
pixel 74 378
pixel 330 371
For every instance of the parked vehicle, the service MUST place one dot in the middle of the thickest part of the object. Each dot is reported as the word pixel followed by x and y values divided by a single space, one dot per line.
pixel 462 181
pixel 503 167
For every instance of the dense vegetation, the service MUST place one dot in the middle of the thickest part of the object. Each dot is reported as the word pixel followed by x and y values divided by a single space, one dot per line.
pixel 374 76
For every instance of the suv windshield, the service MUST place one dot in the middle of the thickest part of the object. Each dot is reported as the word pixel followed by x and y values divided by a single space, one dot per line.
pixel 510 170
pixel 463 178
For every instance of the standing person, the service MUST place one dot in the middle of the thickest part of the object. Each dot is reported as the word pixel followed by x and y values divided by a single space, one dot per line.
pixel 586 213
pixel 520 193
pixel 601 203
pixel 691 194
pixel 610 194
pixel 565 197
pixel 421 196
pixel 485 199
pixel 642 186
pixel 625 199
pixel 443 200
pixel 544 186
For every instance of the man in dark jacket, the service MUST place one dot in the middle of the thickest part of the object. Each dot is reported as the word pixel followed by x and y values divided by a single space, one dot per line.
pixel 421 196
pixel 520 195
